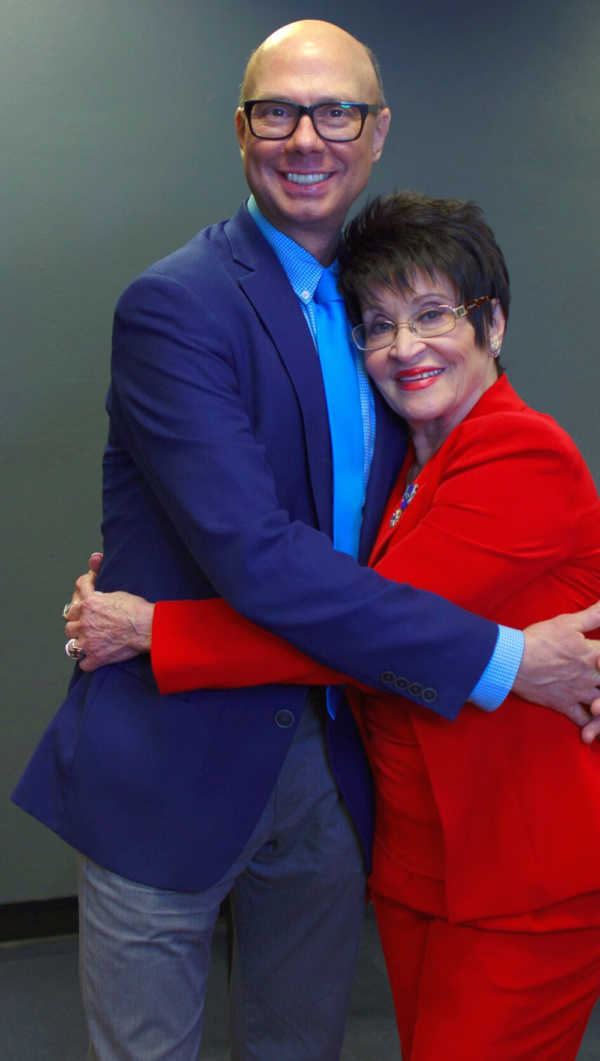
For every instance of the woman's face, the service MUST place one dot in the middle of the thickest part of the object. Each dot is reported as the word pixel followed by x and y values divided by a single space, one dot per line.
pixel 433 381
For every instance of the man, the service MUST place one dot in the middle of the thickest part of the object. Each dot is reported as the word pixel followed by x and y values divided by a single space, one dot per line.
pixel 224 441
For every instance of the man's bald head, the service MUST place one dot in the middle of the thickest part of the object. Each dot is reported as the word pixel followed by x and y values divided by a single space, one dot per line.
pixel 313 33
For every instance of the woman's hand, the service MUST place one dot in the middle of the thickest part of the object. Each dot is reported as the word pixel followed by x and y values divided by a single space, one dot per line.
pixel 107 627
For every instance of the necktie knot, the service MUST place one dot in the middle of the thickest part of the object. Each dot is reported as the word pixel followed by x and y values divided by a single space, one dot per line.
pixel 326 290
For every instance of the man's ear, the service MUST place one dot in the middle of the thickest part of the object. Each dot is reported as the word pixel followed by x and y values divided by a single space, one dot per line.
pixel 240 128
pixel 382 126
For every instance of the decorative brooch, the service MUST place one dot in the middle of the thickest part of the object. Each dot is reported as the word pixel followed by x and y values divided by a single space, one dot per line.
pixel 407 497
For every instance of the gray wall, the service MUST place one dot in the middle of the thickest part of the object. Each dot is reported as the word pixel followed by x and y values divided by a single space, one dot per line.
pixel 118 144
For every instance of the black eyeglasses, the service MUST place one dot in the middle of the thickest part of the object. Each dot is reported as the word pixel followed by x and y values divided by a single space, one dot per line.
pixel 426 323
pixel 276 119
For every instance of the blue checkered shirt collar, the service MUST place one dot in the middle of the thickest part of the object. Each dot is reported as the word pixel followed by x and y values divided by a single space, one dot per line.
pixel 302 270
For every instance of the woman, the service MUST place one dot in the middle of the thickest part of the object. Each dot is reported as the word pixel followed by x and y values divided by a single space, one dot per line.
pixel 486 877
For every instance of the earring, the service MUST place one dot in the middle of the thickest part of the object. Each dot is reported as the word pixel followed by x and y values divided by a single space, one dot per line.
pixel 495 348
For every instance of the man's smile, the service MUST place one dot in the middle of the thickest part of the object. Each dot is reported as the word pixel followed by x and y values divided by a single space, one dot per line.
pixel 307 178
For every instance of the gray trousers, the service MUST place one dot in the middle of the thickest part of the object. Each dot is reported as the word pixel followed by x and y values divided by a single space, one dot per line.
pixel 298 899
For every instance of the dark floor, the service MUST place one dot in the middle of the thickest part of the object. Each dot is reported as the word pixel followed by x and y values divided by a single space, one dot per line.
pixel 41 1017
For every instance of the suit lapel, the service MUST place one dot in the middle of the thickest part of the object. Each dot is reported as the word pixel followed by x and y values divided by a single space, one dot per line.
pixel 268 289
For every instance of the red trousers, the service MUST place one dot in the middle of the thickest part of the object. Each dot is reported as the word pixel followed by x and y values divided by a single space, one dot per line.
pixel 470 994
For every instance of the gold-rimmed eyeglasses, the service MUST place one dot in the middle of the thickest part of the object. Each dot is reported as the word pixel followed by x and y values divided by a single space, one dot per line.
pixel 426 323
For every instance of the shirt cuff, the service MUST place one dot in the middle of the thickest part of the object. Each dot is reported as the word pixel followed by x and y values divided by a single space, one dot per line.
pixel 498 677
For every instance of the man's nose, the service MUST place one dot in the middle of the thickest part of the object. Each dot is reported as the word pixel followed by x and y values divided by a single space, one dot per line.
pixel 305 137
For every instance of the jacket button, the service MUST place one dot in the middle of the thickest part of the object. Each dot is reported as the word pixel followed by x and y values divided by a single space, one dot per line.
pixel 388 677
pixel 401 684
pixel 429 696
pixel 416 689
pixel 284 719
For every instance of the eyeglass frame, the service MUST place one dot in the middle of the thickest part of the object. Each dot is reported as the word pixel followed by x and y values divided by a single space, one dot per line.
pixel 364 108
pixel 457 311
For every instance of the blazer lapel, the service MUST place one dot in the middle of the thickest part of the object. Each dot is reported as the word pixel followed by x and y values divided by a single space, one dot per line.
pixel 268 289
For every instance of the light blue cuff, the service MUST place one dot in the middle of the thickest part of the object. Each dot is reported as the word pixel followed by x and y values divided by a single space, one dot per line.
pixel 498 677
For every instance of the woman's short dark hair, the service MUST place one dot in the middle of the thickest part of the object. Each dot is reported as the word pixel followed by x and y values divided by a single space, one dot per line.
pixel 402 234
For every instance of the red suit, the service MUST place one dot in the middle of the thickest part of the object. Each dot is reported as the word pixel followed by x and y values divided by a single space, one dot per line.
pixel 487 853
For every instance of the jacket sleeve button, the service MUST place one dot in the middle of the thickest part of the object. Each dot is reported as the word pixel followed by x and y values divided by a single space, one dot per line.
pixel 284 719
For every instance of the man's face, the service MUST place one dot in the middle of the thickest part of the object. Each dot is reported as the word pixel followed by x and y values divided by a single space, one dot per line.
pixel 305 185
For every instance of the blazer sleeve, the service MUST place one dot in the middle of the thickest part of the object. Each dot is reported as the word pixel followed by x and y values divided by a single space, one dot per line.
pixel 177 401
pixel 505 508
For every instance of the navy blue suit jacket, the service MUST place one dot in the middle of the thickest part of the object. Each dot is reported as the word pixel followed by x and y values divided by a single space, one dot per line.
pixel 217 481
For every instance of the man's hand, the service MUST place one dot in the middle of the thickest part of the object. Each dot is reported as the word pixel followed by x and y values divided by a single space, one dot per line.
pixel 561 669
pixel 109 627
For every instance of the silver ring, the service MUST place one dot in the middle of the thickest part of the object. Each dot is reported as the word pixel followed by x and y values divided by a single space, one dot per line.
pixel 65 611
pixel 73 651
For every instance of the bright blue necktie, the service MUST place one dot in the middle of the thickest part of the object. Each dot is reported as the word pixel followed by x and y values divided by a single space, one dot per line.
pixel 345 422
pixel 344 410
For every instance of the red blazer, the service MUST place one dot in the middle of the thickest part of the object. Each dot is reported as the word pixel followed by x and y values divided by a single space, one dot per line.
pixel 506 522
